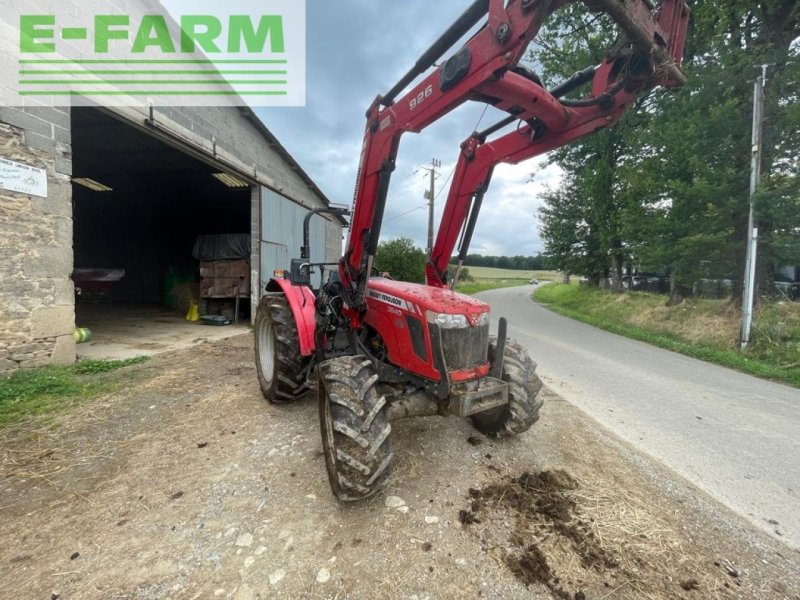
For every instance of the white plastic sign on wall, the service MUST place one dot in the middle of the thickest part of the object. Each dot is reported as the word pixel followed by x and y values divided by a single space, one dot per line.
pixel 24 179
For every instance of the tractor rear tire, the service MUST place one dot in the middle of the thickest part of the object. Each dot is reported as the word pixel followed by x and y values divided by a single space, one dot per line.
pixel 279 364
pixel 524 404
pixel 355 428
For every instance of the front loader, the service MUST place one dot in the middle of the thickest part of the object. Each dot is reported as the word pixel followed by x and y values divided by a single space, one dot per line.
pixel 376 349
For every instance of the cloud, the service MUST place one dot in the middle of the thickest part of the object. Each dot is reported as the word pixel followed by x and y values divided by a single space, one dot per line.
pixel 508 224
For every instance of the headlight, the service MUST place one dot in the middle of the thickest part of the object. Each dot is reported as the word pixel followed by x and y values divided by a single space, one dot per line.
pixel 446 321
pixel 451 321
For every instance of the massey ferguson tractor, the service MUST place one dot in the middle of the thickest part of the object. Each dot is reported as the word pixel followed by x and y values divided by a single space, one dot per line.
pixel 376 349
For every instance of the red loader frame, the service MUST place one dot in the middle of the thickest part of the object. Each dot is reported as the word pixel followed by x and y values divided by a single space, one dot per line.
pixel 483 70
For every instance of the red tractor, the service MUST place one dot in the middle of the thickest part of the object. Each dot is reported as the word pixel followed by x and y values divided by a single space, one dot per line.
pixel 378 349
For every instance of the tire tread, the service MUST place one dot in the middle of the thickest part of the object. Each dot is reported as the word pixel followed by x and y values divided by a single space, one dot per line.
pixel 524 401
pixel 288 383
pixel 357 446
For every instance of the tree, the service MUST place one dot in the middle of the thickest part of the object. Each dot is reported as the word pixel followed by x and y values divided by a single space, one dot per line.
pixel 668 188
pixel 540 262
pixel 778 198
pixel 401 259
pixel 570 236
pixel 582 222
pixel 699 139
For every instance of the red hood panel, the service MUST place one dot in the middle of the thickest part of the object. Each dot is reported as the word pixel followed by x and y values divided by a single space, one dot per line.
pixel 426 298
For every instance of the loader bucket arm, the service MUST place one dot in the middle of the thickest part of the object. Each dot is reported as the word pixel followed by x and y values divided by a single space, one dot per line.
pixel 482 71
pixel 651 57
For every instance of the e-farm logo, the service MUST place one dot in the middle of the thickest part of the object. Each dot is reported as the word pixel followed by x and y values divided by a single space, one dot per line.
pixel 196 30
pixel 186 52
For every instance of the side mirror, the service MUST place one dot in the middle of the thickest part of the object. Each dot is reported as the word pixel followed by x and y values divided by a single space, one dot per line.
pixel 300 272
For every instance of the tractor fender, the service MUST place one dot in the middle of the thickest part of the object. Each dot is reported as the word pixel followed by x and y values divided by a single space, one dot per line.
pixel 303 304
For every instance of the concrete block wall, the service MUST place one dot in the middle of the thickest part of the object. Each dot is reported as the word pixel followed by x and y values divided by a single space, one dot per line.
pixel 37 301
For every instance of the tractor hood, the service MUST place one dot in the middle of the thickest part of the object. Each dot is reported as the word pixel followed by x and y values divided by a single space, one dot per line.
pixel 417 298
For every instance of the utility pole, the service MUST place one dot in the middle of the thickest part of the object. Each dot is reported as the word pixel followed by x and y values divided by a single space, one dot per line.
pixel 430 195
pixel 752 230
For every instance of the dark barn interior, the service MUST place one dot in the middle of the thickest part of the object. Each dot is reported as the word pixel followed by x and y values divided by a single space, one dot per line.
pixel 161 200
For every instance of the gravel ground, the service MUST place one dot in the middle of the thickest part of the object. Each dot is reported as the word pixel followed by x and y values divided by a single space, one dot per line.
pixel 185 483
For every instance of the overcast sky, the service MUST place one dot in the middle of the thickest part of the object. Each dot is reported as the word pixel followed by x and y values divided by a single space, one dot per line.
pixel 358 49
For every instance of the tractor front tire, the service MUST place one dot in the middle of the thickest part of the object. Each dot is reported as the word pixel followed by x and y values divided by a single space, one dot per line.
pixel 279 364
pixel 355 428
pixel 524 404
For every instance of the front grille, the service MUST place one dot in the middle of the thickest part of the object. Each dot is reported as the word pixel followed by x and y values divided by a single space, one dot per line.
pixel 465 347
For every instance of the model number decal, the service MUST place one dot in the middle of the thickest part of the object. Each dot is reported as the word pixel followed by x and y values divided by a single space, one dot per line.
pixel 421 97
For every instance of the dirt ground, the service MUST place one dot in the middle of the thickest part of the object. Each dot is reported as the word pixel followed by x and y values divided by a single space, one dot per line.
pixel 187 484
pixel 120 331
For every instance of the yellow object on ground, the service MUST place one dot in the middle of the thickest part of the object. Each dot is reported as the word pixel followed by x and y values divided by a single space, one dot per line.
pixel 193 314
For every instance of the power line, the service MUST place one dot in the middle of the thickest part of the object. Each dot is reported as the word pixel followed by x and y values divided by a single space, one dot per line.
pixel 446 181
pixel 406 213
pixel 444 185
pixel 483 114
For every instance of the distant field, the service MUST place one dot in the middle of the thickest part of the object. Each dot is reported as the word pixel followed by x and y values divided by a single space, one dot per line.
pixel 488 278
pixel 492 273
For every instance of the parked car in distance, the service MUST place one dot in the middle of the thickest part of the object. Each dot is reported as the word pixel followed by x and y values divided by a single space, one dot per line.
pixel 654 283
pixel 787 288
pixel 714 288
pixel 534 281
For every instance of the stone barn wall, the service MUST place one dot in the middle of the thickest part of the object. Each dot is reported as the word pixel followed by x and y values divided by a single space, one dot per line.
pixel 37 302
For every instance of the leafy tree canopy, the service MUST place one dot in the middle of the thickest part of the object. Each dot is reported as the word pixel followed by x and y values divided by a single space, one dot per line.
pixel 401 259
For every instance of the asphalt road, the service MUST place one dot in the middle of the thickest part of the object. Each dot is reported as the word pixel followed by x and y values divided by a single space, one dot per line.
pixel 732 435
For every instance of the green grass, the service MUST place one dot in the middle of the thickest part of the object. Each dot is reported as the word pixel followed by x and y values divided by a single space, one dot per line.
pixel 492 273
pixel 37 392
pixel 481 285
pixel 704 329
pixel 89 367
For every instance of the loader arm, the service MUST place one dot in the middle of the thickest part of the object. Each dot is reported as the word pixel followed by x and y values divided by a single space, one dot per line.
pixel 616 83
pixel 483 70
